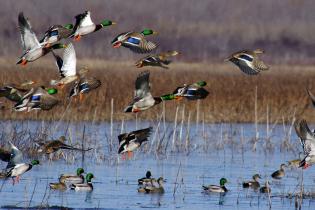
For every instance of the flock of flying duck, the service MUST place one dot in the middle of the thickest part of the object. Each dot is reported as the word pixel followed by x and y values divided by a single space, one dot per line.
pixel 42 98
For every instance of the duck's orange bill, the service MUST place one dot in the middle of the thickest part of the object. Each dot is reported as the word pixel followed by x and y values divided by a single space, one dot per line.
pixel 24 62
pixel 77 38
pixel 117 45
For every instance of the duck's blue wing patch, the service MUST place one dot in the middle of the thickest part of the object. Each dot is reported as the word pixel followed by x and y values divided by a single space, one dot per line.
pixel 35 98
pixel 54 33
pixel 133 40
pixel 246 57
pixel 84 87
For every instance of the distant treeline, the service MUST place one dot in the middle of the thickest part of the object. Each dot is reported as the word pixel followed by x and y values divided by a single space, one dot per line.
pixel 201 30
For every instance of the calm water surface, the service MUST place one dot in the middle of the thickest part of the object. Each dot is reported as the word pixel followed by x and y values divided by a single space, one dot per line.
pixel 216 151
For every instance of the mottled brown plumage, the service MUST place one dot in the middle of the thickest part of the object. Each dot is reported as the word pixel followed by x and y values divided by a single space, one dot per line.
pixel 159 60
pixel 55 145
pixel 248 61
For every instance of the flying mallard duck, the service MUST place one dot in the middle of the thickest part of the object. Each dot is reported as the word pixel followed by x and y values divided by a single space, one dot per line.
pixel 15 92
pixel 84 186
pixel 159 60
pixel 67 67
pixel 55 145
pixel 193 91
pixel 55 33
pixel 84 25
pixel 128 142
pixel 254 183
pixel 266 188
pixel 215 188
pixel 307 138
pixel 15 167
pixel 84 85
pixel 155 187
pixel 77 178
pixel 58 185
pixel 143 99
pixel 248 61
pixel 38 98
pixel 145 180
pixel 32 48
pixel 279 173
pixel 135 41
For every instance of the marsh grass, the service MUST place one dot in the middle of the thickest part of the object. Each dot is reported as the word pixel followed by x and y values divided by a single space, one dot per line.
pixel 232 94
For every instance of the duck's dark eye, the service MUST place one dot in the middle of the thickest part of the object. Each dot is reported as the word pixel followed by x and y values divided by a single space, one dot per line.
pixel 246 57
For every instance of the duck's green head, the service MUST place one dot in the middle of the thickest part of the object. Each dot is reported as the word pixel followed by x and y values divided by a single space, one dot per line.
pixel 168 97
pixel 58 46
pixel 89 177
pixel 107 23
pixel 223 181
pixel 80 171
pixel 201 83
pixel 35 162
pixel 51 91
pixel 148 31
pixel 68 26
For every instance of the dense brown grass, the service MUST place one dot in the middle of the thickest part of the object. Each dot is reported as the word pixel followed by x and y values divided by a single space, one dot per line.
pixel 231 98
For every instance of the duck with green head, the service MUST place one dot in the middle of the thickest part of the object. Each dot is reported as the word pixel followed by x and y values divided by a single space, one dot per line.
pixel 84 25
pixel 135 41
pixel 77 178
pixel 32 49
pixel 88 186
pixel 143 98
pixel 15 167
pixel 253 183
pixel 40 98
pixel 55 33
pixel 19 169
pixel 216 188
pixel 193 91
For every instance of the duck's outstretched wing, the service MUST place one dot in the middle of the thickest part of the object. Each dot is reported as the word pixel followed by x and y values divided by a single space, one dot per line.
pixel 142 84
pixel 82 20
pixel 28 37
pixel 306 136
pixel 67 65
pixel 16 156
